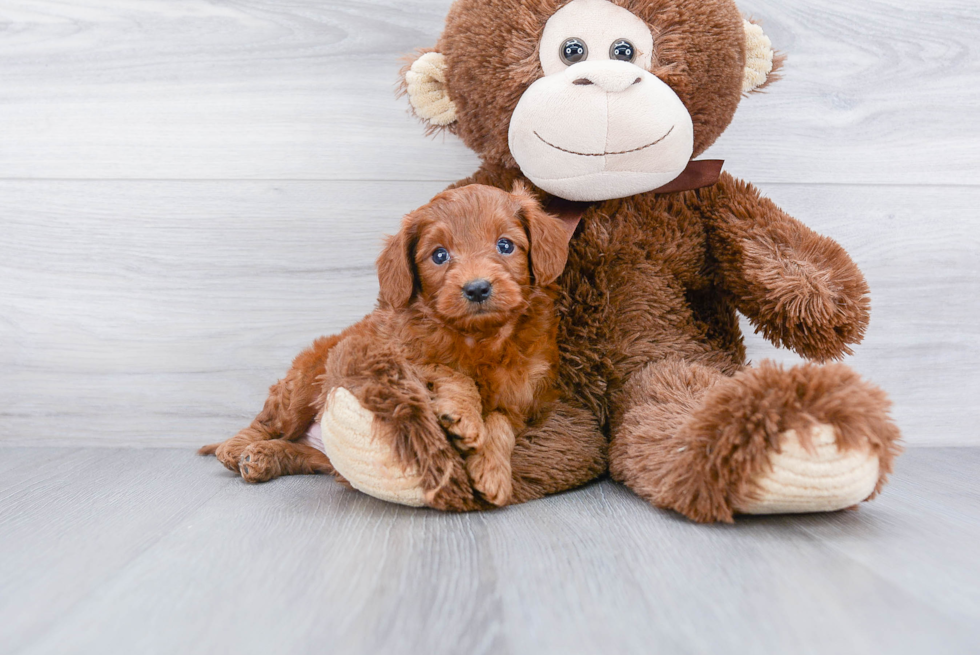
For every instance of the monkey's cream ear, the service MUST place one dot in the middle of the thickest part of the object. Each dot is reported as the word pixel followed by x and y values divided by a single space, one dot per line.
pixel 760 59
pixel 425 83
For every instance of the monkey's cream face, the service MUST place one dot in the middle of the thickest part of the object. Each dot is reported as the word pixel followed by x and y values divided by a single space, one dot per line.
pixel 599 125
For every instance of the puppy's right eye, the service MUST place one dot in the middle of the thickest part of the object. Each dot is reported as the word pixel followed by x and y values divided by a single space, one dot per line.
pixel 440 256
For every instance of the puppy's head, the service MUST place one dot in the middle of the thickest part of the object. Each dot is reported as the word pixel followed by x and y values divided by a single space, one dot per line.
pixel 473 256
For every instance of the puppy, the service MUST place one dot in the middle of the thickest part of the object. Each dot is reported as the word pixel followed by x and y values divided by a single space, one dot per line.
pixel 465 315
pixel 467 294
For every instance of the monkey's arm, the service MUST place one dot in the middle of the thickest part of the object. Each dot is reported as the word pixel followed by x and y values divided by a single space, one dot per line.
pixel 800 289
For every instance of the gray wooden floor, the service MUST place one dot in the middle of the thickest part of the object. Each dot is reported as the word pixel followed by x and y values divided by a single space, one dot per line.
pixel 159 551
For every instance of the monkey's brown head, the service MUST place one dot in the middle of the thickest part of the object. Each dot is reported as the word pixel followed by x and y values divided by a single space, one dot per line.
pixel 591 99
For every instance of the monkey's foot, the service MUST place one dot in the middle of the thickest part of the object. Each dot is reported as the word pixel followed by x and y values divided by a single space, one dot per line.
pixel 366 462
pixel 821 478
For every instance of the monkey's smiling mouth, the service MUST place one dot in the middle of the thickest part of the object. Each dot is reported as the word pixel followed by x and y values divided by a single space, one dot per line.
pixel 603 154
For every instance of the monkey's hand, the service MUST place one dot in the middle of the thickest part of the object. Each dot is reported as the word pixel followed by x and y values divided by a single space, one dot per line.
pixel 808 296
pixel 798 288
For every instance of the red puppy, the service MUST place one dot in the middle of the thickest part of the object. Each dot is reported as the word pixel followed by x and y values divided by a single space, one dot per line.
pixel 466 308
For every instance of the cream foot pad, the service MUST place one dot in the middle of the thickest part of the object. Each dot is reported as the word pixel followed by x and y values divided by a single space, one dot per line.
pixel 824 480
pixel 368 465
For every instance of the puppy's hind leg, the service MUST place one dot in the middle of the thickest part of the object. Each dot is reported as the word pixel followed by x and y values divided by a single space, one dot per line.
pixel 289 410
pixel 265 460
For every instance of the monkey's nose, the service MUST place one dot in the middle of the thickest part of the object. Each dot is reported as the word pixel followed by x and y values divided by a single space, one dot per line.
pixel 477 290
pixel 611 77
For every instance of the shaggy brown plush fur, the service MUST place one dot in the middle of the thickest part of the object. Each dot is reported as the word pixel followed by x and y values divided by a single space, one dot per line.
pixel 650 353
pixel 648 302
pixel 649 334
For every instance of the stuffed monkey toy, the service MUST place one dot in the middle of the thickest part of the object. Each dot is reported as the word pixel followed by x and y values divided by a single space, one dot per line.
pixel 601 107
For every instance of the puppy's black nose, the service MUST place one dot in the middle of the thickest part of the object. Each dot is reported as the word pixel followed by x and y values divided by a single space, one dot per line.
pixel 477 290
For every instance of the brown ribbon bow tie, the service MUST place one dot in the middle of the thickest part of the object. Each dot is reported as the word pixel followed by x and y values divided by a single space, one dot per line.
pixel 697 175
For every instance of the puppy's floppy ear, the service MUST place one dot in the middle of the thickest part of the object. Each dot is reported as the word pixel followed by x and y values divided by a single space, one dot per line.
pixel 396 265
pixel 549 241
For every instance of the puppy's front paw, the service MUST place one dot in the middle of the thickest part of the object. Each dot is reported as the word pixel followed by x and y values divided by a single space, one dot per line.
pixel 463 423
pixel 456 403
pixel 491 477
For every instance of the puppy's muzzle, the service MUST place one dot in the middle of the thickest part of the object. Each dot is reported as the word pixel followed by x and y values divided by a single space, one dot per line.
pixel 477 290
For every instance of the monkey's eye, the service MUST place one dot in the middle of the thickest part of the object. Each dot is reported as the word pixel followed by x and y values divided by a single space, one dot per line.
pixel 573 51
pixel 622 50
pixel 440 256
pixel 505 246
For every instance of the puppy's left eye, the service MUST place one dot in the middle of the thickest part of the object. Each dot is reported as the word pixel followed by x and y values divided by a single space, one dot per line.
pixel 505 246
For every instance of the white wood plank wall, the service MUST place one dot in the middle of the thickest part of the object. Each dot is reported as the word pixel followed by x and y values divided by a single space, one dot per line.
pixel 191 191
